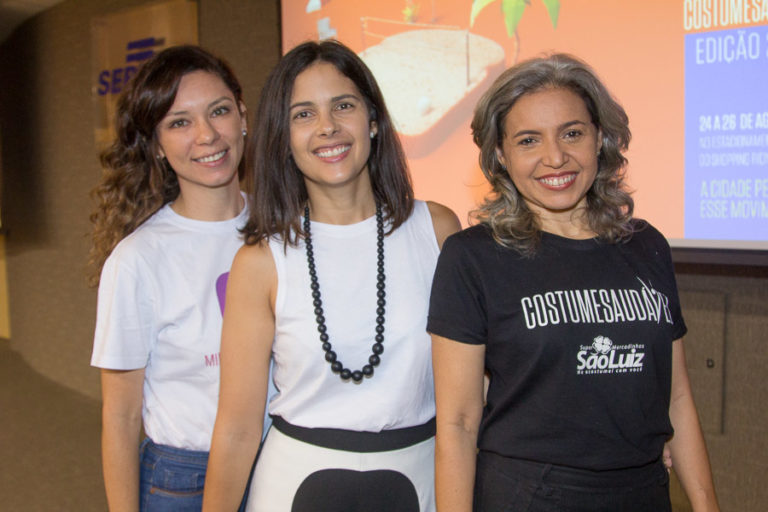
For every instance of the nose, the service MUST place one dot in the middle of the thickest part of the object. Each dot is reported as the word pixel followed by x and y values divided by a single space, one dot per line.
pixel 327 124
pixel 554 156
pixel 206 132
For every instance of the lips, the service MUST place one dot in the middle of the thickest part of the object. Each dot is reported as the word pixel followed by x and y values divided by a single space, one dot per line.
pixel 558 181
pixel 333 153
pixel 211 158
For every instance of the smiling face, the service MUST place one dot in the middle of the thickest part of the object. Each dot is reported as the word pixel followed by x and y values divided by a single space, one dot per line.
pixel 202 134
pixel 550 150
pixel 329 129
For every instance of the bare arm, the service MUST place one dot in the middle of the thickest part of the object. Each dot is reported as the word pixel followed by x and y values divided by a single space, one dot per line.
pixel 458 369
pixel 122 394
pixel 444 221
pixel 246 345
pixel 687 446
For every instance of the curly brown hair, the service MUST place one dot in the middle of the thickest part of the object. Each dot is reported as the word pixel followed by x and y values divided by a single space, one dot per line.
pixel 609 205
pixel 136 182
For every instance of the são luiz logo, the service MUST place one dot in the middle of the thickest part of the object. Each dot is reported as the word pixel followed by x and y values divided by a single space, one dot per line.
pixel 603 356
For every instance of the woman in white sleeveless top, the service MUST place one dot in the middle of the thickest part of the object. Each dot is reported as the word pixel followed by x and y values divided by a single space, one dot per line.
pixel 334 281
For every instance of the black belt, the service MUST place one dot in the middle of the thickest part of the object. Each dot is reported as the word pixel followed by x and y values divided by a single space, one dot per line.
pixel 355 441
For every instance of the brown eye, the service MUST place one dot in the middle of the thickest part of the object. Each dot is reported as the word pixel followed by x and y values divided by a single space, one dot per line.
pixel 218 111
pixel 178 123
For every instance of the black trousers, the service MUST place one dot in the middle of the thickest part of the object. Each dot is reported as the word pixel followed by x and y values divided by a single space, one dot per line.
pixel 504 484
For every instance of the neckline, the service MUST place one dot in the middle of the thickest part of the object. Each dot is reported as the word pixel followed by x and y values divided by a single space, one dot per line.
pixel 206 224
pixel 345 230
pixel 583 244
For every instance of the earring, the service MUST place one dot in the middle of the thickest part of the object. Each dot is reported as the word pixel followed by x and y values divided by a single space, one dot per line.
pixel 372 134
pixel 245 132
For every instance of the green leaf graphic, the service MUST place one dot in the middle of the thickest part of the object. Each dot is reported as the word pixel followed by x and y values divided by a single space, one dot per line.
pixel 553 8
pixel 513 11
pixel 477 6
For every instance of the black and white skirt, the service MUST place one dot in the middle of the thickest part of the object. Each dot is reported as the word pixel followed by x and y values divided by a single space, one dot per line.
pixel 302 469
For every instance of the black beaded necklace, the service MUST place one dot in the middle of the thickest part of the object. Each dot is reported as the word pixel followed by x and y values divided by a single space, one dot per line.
pixel 377 348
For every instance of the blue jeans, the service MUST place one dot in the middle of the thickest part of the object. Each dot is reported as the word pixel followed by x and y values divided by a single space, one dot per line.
pixel 171 479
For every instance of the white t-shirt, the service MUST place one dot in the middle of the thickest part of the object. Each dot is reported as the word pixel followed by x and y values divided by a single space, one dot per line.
pixel 160 308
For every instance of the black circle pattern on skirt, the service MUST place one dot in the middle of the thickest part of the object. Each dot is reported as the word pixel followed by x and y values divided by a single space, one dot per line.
pixel 345 490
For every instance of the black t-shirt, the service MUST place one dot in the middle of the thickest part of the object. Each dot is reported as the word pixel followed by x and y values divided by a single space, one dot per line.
pixel 578 343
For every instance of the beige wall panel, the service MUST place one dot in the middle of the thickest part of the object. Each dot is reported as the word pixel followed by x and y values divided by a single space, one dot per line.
pixel 739 455
pixel 255 49
pixel 704 313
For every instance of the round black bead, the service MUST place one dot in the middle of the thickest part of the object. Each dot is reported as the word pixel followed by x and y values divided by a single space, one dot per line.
pixel 367 370
pixel 379 338
pixel 346 374
pixel 374 360
pixel 377 348
pixel 324 337
pixel 330 356
pixel 336 366
pixel 327 346
pixel 379 329
pixel 357 375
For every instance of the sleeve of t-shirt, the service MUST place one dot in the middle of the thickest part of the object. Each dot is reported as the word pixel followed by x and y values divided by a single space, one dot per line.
pixel 457 304
pixel 679 327
pixel 657 247
pixel 124 326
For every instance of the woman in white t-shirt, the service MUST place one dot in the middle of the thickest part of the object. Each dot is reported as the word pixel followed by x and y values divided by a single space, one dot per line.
pixel 334 282
pixel 165 232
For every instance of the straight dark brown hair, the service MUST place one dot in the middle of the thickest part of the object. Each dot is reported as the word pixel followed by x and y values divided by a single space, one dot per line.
pixel 275 184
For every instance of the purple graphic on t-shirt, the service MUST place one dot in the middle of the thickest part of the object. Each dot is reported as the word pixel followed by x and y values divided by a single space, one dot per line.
pixel 221 289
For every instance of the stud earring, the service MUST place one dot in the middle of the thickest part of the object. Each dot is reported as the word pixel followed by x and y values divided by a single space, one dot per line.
pixel 245 132
pixel 372 134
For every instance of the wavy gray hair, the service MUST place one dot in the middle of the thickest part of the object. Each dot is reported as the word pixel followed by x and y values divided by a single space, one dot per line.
pixel 609 205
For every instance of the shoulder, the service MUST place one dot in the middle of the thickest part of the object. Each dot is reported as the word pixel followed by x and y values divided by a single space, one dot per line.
pixel 137 247
pixel 253 276
pixel 477 234
pixel 648 244
pixel 444 221
pixel 646 235
pixel 254 258
pixel 473 244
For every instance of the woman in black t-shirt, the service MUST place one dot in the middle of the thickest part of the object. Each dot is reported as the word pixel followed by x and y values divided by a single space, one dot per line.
pixel 570 306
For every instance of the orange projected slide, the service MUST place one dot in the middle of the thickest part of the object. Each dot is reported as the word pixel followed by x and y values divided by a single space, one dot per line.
pixel 433 65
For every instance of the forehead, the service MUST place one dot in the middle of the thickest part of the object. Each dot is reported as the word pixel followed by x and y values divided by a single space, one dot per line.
pixel 548 106
pixel 201 85
pixel 322 81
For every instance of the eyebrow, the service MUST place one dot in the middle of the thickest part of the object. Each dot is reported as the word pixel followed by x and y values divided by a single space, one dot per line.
pixel 333 100
pixel 223 99
pixel 561 127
